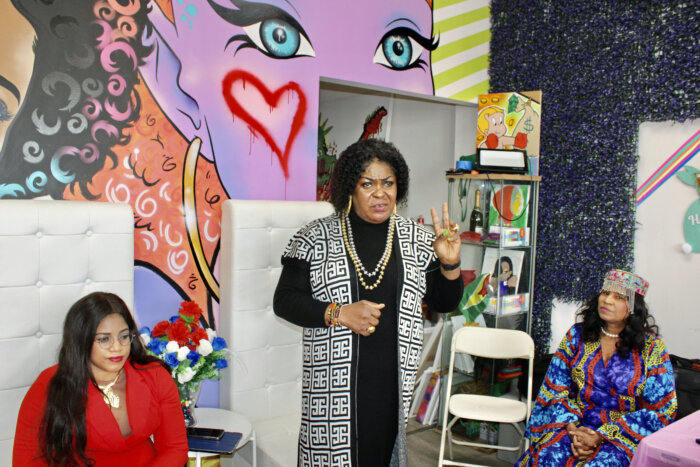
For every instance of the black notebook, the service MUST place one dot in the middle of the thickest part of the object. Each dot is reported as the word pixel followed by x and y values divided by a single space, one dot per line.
pixel 226 445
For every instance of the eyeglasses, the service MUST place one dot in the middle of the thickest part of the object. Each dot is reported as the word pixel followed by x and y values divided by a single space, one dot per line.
pixel 106 342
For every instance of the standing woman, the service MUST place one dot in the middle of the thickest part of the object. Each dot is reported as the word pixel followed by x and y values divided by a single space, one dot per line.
pixel 355 281
pixel 609 385
pixel 105 398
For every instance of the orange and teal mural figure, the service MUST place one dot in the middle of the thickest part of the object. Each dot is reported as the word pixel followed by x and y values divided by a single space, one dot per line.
pixel 175 106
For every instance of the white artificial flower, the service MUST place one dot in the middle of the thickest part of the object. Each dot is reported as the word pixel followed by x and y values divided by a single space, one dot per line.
pixel 145 338
pixel 211 334
pixel 186 375
pixel 172 347
pixel 182 353
pixel 204 348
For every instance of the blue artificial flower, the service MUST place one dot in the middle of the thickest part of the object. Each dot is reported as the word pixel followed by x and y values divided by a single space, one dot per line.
pixel 171 359
pixel 145 330
pixel 219 343
pixel 157 346
pixel 193 356
pixel 173 318
pixel 221 363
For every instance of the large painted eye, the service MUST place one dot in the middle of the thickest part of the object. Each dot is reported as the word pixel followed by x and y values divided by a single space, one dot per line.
pixel 278 38
pixel 398 50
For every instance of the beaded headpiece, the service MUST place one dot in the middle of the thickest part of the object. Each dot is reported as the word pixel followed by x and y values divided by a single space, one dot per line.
pixel 627 284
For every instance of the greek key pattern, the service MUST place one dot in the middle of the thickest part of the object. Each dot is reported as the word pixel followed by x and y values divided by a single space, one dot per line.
pixel 325 434
pixel 416 246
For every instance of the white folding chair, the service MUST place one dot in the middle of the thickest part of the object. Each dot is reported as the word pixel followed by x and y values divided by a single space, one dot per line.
pixel 495 344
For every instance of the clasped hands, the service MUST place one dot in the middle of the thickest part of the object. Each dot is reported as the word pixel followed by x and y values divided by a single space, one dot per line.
pixel 584 441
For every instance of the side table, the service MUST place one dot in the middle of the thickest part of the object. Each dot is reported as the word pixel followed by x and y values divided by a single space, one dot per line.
pixel 229 421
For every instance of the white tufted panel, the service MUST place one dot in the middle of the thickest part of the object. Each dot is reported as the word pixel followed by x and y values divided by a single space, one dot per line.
pixel 51 254
pixel 265 378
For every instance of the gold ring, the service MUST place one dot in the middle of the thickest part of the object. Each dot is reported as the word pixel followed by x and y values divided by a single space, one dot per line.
pixel 371 329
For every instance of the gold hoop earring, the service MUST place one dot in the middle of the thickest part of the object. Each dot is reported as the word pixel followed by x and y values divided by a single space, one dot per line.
pixel 347 210
pixel 394 208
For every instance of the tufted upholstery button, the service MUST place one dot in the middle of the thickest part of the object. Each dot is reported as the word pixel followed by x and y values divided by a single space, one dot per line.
pixel 269 229
pixel 39 234
pixel 88 233
pixel 38 334
pixel 39 283
pixel 269 268
pixel 88 281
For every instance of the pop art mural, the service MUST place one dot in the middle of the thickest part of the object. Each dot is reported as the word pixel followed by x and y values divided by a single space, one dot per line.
pixel 176 106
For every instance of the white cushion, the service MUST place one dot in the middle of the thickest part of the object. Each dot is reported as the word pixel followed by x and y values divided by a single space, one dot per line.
pixel 264 383
pixel 51 254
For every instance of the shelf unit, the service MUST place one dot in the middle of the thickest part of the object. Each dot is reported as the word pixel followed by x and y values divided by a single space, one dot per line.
pixel 487 255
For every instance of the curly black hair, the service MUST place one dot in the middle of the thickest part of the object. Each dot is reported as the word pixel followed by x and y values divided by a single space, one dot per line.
pixel 639 324
pixel 355 159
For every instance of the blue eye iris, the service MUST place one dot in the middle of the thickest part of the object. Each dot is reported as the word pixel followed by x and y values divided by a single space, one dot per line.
pixel 397 50
pixel 279 37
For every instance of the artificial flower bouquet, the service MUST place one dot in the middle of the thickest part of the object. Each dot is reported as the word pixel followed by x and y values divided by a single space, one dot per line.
pixel 193 353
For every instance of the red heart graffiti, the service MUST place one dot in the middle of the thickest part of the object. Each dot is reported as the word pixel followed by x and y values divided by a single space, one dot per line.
pixel 272 99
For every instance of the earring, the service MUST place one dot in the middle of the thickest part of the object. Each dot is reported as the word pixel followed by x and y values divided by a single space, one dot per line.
pixel 394 208
pixel 347 210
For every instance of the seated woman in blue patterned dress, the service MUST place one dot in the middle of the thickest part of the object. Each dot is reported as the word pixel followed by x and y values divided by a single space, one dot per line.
pixel 609 385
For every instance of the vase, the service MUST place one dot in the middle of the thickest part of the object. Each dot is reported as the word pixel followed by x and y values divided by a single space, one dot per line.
pixel 188 401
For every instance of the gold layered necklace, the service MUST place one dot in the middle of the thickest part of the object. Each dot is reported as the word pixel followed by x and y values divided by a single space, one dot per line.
pixel 111 399
pixel 359 267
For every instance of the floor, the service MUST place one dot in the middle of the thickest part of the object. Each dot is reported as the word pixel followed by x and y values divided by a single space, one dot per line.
pixel 424 449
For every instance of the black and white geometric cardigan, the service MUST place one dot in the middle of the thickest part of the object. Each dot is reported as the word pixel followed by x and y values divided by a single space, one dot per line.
pixel 327 381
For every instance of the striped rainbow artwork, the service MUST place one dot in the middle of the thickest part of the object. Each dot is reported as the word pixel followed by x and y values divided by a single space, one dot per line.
pixel 677 160
pixel 460 64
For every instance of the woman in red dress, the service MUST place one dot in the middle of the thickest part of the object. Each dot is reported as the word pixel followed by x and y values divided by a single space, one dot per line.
pixel 104 399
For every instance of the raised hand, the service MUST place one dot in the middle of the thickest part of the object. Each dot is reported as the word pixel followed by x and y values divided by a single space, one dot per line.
pixel 447 243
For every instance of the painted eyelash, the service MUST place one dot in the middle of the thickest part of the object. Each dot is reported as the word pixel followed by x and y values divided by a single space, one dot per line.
pixel 249 13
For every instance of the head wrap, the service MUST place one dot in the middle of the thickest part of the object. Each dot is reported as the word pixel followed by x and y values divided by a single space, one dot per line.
pixel 627 284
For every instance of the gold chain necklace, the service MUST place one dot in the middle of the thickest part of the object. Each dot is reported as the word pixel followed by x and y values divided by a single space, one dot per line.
pixel 350 246
pixel 111 399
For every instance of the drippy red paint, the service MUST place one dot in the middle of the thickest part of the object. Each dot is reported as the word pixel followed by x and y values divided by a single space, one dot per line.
pixel 272 99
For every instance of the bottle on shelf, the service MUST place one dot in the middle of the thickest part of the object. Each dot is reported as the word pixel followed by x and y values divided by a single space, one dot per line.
pixel 476 221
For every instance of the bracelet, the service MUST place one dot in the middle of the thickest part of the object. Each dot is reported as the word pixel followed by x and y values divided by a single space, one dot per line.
pixel 451 267
pixel 333 314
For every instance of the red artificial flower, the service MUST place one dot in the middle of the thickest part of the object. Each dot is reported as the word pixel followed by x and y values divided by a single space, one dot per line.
pixel 199 334
pixel 190 311
pixel 161 329
pixel 178 332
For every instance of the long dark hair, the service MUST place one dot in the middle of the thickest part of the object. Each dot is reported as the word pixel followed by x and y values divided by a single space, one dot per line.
pixel 355 159
pixel 638 325
pixel 63 433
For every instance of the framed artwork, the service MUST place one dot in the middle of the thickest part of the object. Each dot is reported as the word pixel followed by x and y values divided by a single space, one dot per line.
pixel 509 269
pixel 508 207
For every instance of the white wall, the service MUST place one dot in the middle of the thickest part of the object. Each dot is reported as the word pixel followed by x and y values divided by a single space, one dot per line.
pixel 674 277
pixel 431 133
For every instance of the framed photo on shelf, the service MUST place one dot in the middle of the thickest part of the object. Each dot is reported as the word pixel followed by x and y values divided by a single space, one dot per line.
pixel 510 268
pixel 508 207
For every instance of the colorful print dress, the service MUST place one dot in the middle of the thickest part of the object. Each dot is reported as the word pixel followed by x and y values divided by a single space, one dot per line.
pixel 624 400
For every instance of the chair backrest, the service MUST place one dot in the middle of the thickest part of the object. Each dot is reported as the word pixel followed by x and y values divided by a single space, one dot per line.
pixel 493 343
pixel 496 343
pixel 265 377
pixel 51 254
